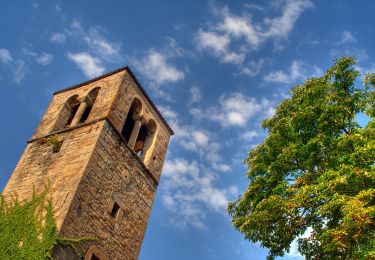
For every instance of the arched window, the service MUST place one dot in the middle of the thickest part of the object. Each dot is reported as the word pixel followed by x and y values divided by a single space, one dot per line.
pixel 67 113
pixel 134 111
pixel 140 141
pixel 145 138
pixel 74 105
pixel 89 100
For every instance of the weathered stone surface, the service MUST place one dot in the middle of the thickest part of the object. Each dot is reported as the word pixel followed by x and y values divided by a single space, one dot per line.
pixel 99 186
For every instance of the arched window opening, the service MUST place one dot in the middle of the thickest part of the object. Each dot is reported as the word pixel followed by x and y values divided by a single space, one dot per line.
pixel 134 111
pixel 67 113
pixel 89 100
pixel 71 107
pixel 141 139
pixel 145 138
pixel 73 112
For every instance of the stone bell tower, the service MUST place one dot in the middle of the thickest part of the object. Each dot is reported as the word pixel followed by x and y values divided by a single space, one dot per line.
pixel 101 147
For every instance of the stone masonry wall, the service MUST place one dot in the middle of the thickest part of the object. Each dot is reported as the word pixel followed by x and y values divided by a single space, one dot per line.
pixel 127 91
pixel 114 171
pixel 63 170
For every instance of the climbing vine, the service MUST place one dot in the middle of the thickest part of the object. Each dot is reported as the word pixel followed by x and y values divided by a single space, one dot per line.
pixel 28 229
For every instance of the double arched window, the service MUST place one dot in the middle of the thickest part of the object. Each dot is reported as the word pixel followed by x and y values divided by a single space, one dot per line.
pixel 137 132
pixel 74 111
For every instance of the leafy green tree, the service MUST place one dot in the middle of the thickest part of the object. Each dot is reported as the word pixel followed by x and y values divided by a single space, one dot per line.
pixel 315 171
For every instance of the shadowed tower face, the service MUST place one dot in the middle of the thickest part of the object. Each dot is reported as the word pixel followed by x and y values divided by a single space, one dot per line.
pixel 101 147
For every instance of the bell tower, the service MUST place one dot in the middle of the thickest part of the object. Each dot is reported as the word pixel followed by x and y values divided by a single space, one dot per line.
pixel 101 147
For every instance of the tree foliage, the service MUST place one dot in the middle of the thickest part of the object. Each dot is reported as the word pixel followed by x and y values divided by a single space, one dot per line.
pixel 315 171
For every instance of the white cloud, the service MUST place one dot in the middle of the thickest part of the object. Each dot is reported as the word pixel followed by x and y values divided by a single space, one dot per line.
pixel 168 113
pixel 44 58
pixel 17 67
pixel 91 66
pixel 199 141
pixel 296 72
pixel 5 56
pixel 249 135
pixel 189 193
pixel 156 68
pixel 180 167
pixel 240 27
pixel 219 46
pixel 236 109
pixel 100 45
pixel 242 33
pixel 253 68
pixel 200 138
pixel 280 27
pixel 195 95
pixel 19 71
pixel 40 58
pixel 277 76
pixel 347 37
pixel 196 140
pixel 96 41
pixel 58 38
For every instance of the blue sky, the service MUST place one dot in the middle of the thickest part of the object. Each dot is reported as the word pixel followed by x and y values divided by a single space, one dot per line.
pixel 214 68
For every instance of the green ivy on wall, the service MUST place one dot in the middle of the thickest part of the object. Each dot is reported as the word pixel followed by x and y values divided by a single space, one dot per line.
pixel 28 229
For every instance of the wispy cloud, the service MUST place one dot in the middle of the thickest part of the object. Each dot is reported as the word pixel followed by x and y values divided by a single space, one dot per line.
pixel 195 95
pixel 189 192
pixel 249 135
pixel 98 51
pixel 5 56
pixel 347 37
pixel 253 68
pixel 199 141
pixel 58 38
pixel 90 65
pixel 156 68
pixel 19 70
pixel 296 72
pixel 42 58
pixel 235 35
pixel 237 109
pixel 219 46
pixel 95 40
pixel 17 67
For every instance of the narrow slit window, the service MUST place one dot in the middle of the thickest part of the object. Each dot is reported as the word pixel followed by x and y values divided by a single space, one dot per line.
pixel 115 210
